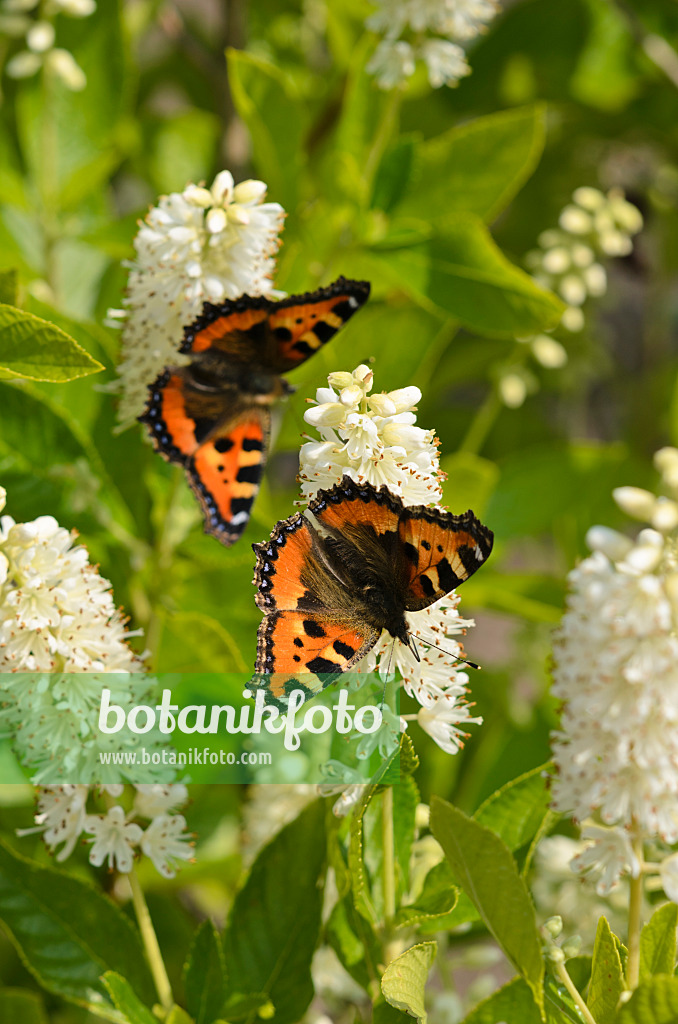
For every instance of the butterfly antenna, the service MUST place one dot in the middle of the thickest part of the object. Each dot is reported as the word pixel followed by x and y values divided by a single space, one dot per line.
pixel 465 661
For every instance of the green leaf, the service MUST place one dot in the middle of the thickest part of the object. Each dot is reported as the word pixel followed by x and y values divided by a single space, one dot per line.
pixel 205 975
pixel 516 811
pixel 9 286
pixel 362 898
pixel 67 932
pixel 126 1000
pixel 478 167
pixel 275 920
pixel 354 942
pixel 18 1004
pixel 658 942
pixel 384 1013
pixel 394 172
pixel 404 980
pixel 184 149
pixel 405 801
pixel 243 1004
pixel 654 1002
pixel 607 977
pixel 34 348
pixel 438 897
pixel 464 273
pixel 513 1004
pixel 484 867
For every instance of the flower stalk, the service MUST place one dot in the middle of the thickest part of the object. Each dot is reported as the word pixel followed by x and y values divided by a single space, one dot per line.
pixel 635 921
pixel 151 945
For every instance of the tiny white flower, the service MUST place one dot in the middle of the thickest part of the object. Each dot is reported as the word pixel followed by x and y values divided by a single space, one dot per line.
pixel 61 817
pixel 165 841
pixel 444 720
pixel 392 63
pixel 153 799
pixel 669 877
pixel 114 839
pixel 445 61
pixel 607 855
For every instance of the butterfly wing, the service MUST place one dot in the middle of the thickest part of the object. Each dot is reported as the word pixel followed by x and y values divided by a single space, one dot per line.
pixel 237 329
pixel 225 473
pixel 303 631
pixel 301 324
pixel 438 551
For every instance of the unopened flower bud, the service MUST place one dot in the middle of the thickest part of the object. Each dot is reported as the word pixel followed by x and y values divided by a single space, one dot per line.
pixel 589 198
pixel 575 220
pixel 512 390
pixel 249 191
pixel 363 375
pixel 351 396
pixel 238 214
pixel 553 927
pixel 635 501
pixel 216 220
pixel 572 946
pixel 197 196
pixel 382 405
pixel 340 379
pixel 330 415
pixel 405 399
pixel 573 290
pixel 549 352
pixel 556 260
pixel 555 955
pixel 64 64
pixel 612 544
pixel 40 37
pixel 573 319
pixel 596 279
pixel 23 64
pixel 222 187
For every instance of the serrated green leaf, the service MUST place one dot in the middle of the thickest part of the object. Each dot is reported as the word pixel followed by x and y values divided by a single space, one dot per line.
pixel 607 977
pixel 438 897
pixel 125 999
pixel 658 942
pixel 67 931
pixel 405 802
pixel 360 886
pixel 205 975
pixel 478 167
pixel 18 1004
pixel 394 172
pixel 654 1002
pixel 513 1004
pixel 403 982
pixel 482 864
pixel 275 920
pixel 35 349
pixel 464 273
pixel 9 286
pixel 516 811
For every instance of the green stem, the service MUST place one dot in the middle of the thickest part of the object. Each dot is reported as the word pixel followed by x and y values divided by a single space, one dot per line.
pixel 47 184
pixel 562 975
pixel 150 941
pixel 160 562
pixel 388 869
pixel 635 911
pixel 482 424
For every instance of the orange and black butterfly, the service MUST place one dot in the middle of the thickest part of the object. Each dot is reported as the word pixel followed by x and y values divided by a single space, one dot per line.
pixel 330 582
pixel 213 415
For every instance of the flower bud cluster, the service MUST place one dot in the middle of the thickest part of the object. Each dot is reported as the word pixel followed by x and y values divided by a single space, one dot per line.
pixel 426 30
pixel 370 437
pixel 19 18
pixel 616 671
pixel 199 245
pixel 592 227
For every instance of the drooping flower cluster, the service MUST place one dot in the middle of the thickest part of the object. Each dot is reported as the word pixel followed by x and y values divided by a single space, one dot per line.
pixel 373 437
pixel 569 261
pixel 116 837
pixel 616 670
pixel 199 245
pixel 427 30
pixel 59 630
pixel 20 19
pixel 370 437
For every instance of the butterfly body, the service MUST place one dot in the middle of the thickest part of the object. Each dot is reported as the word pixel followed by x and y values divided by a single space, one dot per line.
pixel 212 415
pixel 332 580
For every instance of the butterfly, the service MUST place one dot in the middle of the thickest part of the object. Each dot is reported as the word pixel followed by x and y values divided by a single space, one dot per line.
pixel 213 415
pixel 331 582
